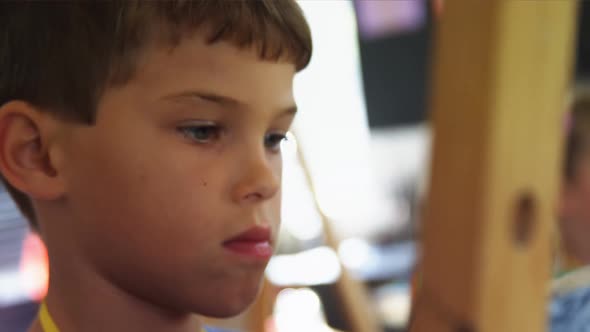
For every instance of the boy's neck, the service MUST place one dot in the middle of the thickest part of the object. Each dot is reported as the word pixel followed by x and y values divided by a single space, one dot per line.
pixel 86 301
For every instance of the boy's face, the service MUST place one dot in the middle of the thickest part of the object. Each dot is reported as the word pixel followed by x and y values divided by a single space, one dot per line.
pixel 182 160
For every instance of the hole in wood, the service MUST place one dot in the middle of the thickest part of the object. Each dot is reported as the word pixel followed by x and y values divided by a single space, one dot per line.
pixel 525 219
pixel 465 327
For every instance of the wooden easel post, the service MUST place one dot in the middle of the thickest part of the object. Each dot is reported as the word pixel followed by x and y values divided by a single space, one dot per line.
pixel 355 299
pixel 502 68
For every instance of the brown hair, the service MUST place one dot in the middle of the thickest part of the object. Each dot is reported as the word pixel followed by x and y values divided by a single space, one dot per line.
pixel 578 135
pixel 61 56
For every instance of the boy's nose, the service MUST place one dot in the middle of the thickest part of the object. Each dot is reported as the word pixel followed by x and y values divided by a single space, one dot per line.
pixel 258 181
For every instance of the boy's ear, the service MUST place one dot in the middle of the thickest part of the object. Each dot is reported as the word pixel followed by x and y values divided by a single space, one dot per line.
pixel 26 148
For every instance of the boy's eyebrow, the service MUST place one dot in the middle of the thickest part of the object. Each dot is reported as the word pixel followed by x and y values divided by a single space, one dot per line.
pixel 223 100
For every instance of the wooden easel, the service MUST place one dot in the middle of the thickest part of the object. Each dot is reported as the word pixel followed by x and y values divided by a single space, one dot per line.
pixel 501 72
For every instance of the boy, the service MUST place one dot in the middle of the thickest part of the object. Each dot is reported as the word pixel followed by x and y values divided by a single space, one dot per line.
pixel 142 142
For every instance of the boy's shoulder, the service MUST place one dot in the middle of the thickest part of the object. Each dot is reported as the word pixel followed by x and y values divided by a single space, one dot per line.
pixel 571 311
pixel 569 308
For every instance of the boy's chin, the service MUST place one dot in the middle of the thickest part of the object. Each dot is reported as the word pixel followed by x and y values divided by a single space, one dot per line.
pixel 229 306
pixel 221 309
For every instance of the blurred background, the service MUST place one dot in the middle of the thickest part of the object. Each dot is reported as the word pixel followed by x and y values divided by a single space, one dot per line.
pixel 355 165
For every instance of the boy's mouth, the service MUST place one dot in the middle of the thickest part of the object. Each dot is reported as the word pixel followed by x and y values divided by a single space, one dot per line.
pixel 254 243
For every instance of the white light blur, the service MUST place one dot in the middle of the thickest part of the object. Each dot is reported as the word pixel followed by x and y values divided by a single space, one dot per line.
pixel 332 127
pixel 289 148
pixel 395 309
pixel 394 305
pixel 354 253
pixel 298 310
pixel 299 214
pixel 12 289
pixel 311 267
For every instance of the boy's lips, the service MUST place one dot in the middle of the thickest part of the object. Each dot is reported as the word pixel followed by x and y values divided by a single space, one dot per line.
pixel 254 243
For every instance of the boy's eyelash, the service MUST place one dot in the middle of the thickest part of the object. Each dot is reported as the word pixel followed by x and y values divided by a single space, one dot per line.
pixel 272 141
pixel 201 133
pixel 208 133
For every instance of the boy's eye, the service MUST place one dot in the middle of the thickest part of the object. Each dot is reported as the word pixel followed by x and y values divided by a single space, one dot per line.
pixel 273 141
pixel 201 133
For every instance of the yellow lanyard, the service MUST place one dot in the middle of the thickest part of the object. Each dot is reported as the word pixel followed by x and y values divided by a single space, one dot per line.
pixel 47 323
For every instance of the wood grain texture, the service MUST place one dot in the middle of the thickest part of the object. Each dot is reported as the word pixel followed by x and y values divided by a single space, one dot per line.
pixel 500 78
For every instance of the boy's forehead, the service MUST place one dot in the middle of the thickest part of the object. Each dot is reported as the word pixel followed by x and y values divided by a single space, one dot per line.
pixel 217 71
pixel 286 108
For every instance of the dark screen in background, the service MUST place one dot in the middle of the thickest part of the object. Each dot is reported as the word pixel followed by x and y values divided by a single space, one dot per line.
pixel 396 55
pixel 394 39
